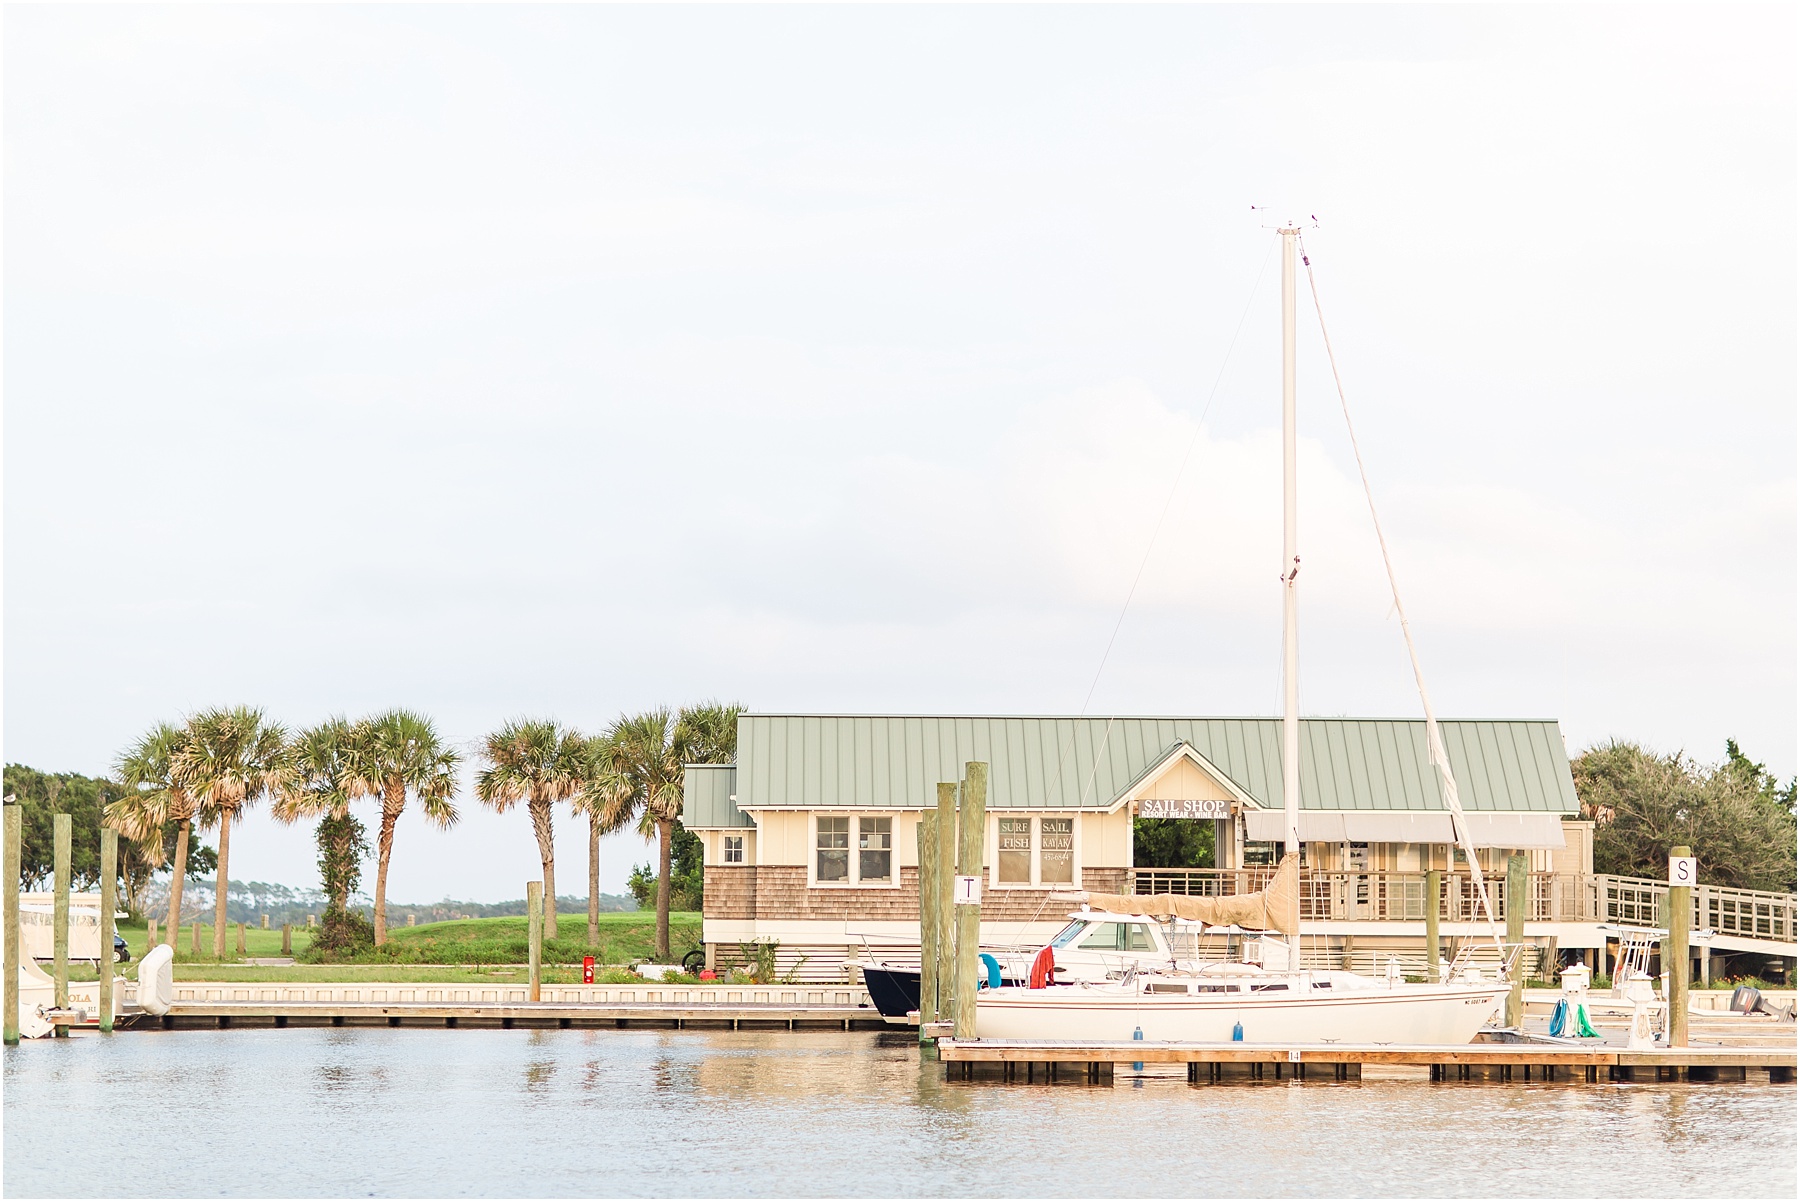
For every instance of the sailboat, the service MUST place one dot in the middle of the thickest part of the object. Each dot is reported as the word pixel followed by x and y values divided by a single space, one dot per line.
pixel 1266 996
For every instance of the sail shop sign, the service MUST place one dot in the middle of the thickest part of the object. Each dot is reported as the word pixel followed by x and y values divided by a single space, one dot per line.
pixel 1159 807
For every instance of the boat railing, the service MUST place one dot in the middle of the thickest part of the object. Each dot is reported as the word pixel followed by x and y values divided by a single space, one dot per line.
pixel 1381 896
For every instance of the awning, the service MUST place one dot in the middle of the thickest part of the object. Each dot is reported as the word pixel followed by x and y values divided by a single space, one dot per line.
pixel 1518 831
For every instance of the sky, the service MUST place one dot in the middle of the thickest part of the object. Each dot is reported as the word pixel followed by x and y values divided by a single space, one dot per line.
pixel 566 361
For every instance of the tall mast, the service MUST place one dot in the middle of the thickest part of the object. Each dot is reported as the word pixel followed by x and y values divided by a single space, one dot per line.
pixel 1290 562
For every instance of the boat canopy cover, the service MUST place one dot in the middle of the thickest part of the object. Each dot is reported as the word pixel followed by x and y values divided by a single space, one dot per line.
pixel 1274 908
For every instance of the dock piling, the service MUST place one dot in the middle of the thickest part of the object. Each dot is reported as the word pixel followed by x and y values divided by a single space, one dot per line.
pixel 243 948
pixel 534 908
pixel 946 887
pixel 15 832
pixel 928 924
pixel 195 931
pixel 150 939
pixel 1518 901
pixel 1675 958
pixel 287 939
pixel 973 832
pixel 63 827
pixel 1434 895
pixel 109 884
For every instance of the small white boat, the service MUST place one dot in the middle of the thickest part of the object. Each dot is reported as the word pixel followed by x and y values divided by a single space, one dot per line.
pixel 1245 1003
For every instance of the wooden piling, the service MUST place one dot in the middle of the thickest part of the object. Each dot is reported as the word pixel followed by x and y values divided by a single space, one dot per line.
pixel 265 922
pixel 1675 956
pixel 534 908
pixel 973 837
pixel 946 885
pixel 109 887
pixel 63 833
pixel 15 834
pixel 195 931
pixel 1518 901
pixel 149 933
pixel 1434 900
pixel 287 938
pixel 928 923
pixel 243 947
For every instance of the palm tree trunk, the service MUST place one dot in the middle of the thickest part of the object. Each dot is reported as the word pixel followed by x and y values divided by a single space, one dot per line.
pixel 391 804
pixel 222 886
pixel 664 836
pixel 546 839
pixel 593 879
pixel 180 867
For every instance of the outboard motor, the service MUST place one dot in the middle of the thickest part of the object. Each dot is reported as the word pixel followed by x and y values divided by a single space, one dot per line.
pixel 1747 999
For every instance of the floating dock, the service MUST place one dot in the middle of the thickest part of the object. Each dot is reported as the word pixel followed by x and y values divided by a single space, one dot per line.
pixel 726 1015
pixel 505 1005
pixel 1095 1063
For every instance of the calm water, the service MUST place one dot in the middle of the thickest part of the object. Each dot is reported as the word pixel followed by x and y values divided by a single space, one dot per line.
pixel 346 1111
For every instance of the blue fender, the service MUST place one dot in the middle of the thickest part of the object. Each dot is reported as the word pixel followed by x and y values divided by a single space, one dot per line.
pixel 991 978
pixel 1559 1018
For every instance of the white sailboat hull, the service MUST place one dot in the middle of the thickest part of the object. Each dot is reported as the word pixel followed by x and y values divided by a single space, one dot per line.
pixel 1429 1014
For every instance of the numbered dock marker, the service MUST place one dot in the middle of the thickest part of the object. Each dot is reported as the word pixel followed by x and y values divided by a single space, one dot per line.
pixel 1684 870
pixel 1293 1055
pixel 968 891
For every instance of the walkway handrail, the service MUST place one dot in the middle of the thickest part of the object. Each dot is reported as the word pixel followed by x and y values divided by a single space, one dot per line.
pixel 1376 896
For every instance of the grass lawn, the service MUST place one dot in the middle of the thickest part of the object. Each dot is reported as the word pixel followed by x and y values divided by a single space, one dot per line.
pixel 464 950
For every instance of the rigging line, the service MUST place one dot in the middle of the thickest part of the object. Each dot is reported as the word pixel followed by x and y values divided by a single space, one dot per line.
pixel 1168 501
pixel 1434 739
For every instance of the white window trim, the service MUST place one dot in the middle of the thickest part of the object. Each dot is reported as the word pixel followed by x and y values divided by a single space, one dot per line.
pixel 1037 849
pixel 725 850
pixel 891 881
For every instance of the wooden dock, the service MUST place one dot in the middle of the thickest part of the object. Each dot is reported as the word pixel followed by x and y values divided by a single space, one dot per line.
pixel 679 1016
pixel 1051 1060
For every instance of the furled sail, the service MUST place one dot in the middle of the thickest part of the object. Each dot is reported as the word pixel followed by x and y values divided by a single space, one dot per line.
pixel 1276 907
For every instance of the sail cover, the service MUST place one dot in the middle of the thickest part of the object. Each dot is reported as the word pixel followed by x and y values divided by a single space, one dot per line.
pixel 1274 908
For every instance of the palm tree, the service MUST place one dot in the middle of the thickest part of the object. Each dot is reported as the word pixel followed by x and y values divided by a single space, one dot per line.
pixel 158 796
pixel 231 759
pixel 651 749
pixel 403 755
pixel 605 798
pixel 539 763
pixel 323 784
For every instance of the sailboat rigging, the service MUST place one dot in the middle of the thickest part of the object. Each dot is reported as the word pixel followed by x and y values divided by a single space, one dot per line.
pixel 1268 991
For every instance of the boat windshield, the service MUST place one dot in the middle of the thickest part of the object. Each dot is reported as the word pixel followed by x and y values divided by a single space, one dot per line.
pixel 1066 936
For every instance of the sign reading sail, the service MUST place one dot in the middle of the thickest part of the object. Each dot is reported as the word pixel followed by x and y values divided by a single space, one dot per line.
pixel 1162 807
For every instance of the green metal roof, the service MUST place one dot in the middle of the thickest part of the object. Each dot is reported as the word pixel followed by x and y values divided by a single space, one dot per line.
pixel 895 762
pixel 706 798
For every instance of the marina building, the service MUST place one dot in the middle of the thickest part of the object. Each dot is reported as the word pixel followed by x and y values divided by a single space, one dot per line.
pixel 810 837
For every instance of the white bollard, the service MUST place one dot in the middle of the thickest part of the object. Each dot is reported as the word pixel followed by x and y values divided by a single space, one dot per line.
pixel 1642 996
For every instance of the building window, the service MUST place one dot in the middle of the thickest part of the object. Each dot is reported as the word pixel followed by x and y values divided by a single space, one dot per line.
pixel 1258 854
pixel 1015 851
pixel 1056 851
pixel 874 849
pixel 734 849
pixel 834 849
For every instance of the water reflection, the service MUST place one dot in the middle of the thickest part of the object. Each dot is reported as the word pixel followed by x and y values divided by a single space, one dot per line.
pixel 837 1114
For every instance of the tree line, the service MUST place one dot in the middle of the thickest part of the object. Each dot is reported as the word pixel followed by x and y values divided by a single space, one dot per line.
pixel 206 772
pixel 1735 815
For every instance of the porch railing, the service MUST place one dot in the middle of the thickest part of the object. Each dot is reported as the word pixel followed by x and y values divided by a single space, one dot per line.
pixel 1552 897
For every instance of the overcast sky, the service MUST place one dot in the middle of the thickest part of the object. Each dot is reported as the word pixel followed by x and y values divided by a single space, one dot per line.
pixel 565 361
